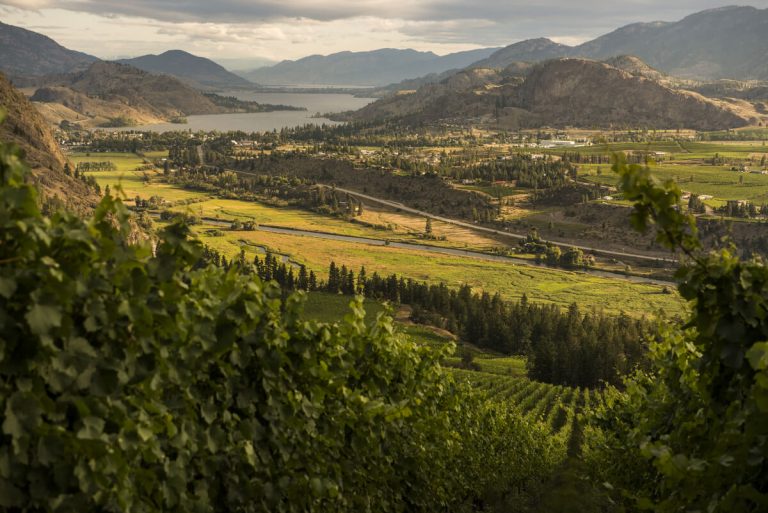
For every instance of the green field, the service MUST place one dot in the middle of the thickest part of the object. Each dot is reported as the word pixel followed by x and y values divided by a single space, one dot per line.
pixel 717 181
pixel 132 181
pixel 512 281
pixel 404 227
pixel 324 307
pixel 674 149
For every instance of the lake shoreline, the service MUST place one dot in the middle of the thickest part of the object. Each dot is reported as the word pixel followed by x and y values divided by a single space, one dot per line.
pixel 316 106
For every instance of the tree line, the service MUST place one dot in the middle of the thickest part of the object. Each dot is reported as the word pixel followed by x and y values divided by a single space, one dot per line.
pixel 586 349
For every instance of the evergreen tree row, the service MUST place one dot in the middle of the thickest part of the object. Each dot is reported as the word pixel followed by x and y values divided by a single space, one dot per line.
pixel 585 349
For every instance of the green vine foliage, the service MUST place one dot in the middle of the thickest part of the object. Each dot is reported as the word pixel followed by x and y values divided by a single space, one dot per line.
pixel 692 435
pixel 135 380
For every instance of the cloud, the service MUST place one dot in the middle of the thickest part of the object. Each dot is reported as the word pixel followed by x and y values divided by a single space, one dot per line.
pixel 559 12
pixel 280 29
pixel 222 33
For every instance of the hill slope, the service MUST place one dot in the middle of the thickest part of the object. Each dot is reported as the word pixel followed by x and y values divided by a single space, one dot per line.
pixel 374 68
pixel 195 71
pixel 530 50
pixel 113 94
pixel 565 92
pixel 25 127
pixel 166 96
pixel 27 53
pixel 729 42
pixel 578 92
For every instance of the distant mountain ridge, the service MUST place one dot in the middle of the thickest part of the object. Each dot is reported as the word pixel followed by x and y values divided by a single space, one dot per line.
pixel 26 53
pixel 728 42
pixel 374 68
pixel 195 71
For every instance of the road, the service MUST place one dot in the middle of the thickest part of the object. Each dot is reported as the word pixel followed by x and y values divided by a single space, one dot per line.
pixel 428 248
pixel 456 222
pixel 471 226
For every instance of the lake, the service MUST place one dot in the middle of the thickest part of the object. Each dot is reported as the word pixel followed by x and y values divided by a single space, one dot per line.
pixel 320 103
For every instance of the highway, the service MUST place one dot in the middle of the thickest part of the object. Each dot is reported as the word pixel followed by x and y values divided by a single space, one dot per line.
pixel 499 233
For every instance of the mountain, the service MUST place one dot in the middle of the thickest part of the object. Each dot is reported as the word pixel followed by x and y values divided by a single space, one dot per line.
pixel 26 53
pixel 518 69
pixel 461 96
pixel 530 50
pixel 198 72
pixel 749 90
pixel 579 92
pixel 374 68
pixel 118 94
pixel 25 127
pixel 728 42
pixel 561 92
pixel 114 94
pixel 162 95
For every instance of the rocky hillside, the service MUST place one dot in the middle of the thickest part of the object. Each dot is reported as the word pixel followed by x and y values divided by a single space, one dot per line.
pixel 459 96
pixel 198 72
pixel 563 92
pixel 26 53
pixel 58 103
pixel 530 50
pixel 160 94
pixel 578 92
pixel 25 127
pixel 516 69
pixel 109 93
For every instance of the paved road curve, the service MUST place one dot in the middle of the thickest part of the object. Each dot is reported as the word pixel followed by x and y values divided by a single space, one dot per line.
pixel 475 227
pixel 471 226
pixel 433 249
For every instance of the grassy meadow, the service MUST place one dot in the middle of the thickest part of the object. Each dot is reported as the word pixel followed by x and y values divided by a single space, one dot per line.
pixel 133 180
pixel 716 181
pixel 545 285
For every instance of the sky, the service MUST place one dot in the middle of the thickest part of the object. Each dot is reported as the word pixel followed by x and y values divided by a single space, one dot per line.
pixel 246 33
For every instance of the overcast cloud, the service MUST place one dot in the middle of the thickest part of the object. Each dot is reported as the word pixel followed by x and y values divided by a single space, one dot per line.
pixel 289 29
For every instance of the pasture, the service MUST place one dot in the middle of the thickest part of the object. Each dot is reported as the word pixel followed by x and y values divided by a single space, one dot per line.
pixel 544 285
